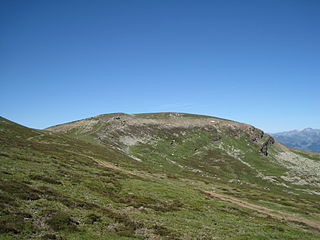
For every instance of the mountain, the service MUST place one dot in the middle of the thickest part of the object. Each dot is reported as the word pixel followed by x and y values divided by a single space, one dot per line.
pixel 307 139
pixel 155 176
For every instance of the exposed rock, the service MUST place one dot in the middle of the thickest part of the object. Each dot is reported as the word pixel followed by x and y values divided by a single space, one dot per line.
pixel 234 132
pixel 265 145
pixel 256 136
pixel 264 150
pixel 216 138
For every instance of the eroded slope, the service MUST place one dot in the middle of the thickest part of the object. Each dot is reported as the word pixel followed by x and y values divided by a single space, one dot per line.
pixel 79 184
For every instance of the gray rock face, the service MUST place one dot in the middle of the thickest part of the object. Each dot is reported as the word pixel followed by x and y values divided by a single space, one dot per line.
pixel 255 134
pixel 265 145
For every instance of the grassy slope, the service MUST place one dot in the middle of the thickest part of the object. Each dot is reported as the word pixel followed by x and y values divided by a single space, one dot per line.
pixel 211 160
pixel 193 147
pixel 51 190
pixel 214 164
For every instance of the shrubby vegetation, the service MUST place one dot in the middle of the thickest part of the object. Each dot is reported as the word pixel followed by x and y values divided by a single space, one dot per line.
pixel 52 187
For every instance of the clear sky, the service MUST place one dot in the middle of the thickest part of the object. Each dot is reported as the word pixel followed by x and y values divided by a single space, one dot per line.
pixel 252 61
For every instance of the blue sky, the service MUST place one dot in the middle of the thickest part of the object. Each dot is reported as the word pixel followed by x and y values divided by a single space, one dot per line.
pixel 252 61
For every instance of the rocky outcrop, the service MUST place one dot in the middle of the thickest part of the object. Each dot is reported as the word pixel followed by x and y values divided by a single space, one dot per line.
pixel 255 134
pixel 265 146
pixel 258 135
pixel 234 132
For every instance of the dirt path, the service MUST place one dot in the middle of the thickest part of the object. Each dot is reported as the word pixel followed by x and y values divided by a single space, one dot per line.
pixel 271 212
pixel 108 165
pixel 36 136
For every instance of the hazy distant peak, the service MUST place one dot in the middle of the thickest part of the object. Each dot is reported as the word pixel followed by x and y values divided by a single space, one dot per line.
pixel 307 139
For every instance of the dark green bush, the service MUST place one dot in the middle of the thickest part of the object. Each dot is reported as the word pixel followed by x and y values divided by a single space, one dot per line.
pixel 62 221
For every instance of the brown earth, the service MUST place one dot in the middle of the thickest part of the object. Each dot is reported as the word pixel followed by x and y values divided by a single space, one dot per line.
pixel 270 212
pixel 109 165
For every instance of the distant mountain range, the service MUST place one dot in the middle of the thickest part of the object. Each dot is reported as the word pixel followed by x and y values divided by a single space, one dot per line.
pixel 307 139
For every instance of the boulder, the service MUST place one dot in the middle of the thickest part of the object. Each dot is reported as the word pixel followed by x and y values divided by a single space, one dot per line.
pixel 216 138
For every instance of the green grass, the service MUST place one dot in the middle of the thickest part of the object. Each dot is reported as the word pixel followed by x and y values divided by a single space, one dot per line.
pixel 51 188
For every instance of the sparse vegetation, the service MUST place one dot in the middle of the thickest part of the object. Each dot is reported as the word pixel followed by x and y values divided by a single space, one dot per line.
pixel 52 188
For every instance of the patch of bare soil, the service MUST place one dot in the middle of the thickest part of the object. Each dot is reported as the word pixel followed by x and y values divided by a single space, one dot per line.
pixel 271 212
pixel 108 165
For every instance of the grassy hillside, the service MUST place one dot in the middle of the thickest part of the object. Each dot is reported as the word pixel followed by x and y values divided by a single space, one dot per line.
pixel 149 176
